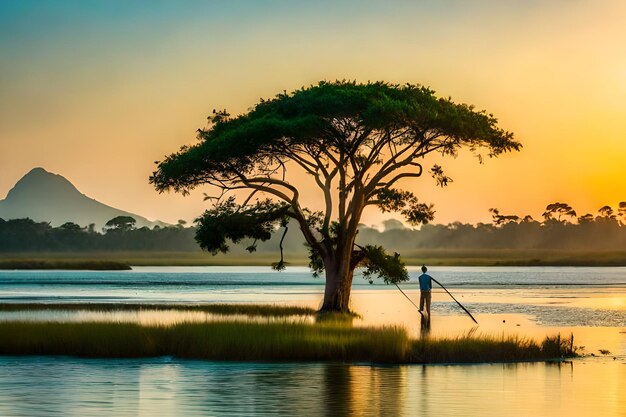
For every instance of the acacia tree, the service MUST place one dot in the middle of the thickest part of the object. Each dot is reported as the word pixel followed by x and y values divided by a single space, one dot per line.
pixel 357 142
pixel 559 210
pixel 502 219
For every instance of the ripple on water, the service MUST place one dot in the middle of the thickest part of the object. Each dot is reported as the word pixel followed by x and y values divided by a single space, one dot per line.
pixel 59 386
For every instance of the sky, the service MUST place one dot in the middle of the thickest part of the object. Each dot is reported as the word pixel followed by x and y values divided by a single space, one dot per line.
pixel 98 90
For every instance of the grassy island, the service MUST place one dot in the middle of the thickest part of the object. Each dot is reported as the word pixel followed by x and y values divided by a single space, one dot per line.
pixel 273 339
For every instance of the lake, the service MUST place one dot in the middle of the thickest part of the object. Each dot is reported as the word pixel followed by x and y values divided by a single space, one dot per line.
pixel 525 301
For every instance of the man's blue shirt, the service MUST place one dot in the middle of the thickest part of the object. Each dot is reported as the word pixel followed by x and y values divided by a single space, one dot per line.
pixel 426 283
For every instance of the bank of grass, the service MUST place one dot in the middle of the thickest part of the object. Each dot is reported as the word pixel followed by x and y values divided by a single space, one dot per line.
pixel 65 264
pixel 266 341
pixel 449 257
pixel 477 349
pixel 231 340
pixel 262 310
pixel 514 257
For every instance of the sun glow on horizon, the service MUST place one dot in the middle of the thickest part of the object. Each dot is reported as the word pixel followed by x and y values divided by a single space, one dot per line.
pixel 97 92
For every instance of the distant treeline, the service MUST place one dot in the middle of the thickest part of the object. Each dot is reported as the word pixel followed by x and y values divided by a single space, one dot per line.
pixel 25 235
pixel 560 229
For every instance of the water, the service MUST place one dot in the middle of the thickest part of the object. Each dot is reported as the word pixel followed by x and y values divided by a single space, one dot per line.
pixel 58 386
pixel 552 296
pixel 532 302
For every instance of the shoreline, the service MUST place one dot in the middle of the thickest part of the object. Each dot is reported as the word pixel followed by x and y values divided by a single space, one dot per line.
pixel 271 341
pixel 122 263
pixel 267 333
pixel 124 260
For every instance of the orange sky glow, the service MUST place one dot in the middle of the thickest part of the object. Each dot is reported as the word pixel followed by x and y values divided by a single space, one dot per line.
pixel 97 94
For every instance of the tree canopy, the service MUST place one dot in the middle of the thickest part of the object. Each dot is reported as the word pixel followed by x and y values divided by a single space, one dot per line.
pixel 356 141
pixel 121 223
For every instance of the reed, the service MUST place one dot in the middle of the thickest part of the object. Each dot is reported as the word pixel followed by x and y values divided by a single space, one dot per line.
pixel 236 340
pixel 263 310
pixel 478 349
pixel 267 341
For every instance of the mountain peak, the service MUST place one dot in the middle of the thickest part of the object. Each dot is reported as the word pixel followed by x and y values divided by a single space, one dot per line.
pixel 37 170
pixel 44 196
pixel 42 183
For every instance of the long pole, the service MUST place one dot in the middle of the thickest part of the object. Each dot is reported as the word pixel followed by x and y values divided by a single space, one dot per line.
pixel 407 297
pixel 457 301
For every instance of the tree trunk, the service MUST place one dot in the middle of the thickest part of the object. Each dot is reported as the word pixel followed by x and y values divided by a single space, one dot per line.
pixel 339 265
pixel 338 286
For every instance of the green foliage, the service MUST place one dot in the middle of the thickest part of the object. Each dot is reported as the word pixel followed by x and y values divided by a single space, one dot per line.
pixel 316 263
pixel 356 141
pixel 279 266
pixel 406 203
pixel 373 261
pixel 376 262
pixel 228 220
pixel 231 146
pixel 21 235
pixel 71 227
pixel 176 245
pixel 123 223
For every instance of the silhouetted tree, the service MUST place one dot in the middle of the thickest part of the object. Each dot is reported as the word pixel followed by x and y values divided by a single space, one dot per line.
pixel 621 211
pixel 607 212
pixel 591 233
pixel 500 219
pixel 121 223
pixel 356 141
pixel 559 210
pixel 72 227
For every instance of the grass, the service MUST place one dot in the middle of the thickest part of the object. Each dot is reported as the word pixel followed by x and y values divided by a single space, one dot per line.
pixel 514 257
pixel 473 349
pixel 452 257
pixel 219 309
pixel 63 264
pixel 147 258
pixel 233 340
pixel 267 341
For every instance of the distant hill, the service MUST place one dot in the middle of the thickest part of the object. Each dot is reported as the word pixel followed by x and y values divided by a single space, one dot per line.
pixel 44 196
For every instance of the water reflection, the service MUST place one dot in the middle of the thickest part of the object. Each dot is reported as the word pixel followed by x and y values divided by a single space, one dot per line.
pixel 145 317
pixel 425 325
pixel 55 386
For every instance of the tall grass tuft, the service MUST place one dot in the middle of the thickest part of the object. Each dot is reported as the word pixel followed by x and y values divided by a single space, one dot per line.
pixel 476 349
pixel 266 341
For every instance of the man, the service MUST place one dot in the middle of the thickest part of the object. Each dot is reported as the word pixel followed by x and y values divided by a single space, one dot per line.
pixel 426 286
